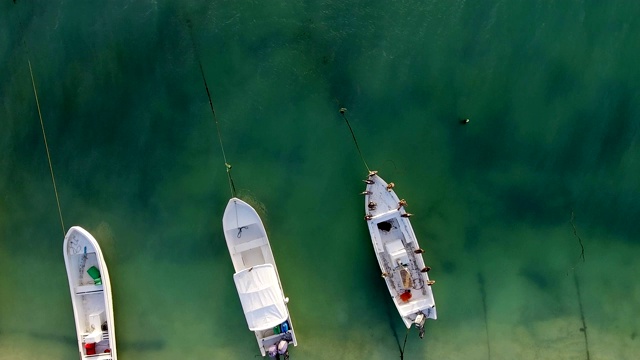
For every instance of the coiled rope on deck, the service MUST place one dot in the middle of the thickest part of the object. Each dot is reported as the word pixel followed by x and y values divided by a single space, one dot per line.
pixel 353 135
pixel 46 146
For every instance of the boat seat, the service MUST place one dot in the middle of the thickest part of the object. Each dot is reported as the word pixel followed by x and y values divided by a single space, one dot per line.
pixel 250 245
pixel 397 251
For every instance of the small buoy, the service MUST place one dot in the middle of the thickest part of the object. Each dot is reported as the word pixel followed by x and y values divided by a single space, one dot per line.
pixel 343 110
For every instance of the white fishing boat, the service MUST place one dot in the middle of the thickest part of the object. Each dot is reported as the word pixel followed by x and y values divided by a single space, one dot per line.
pixel 257 281
pixel 90 295
pixel 399 255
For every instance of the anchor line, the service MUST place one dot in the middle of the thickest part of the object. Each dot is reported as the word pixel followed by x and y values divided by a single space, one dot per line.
pixel 582 318
pixel 404 345
pixel 353 135
pixel 46 146
pixel 232 186
pixel 575 233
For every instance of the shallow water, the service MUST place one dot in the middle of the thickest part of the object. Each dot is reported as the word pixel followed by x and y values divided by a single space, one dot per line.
pixel 551 89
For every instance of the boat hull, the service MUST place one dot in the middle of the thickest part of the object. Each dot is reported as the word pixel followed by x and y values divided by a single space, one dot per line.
pixel 90 288
pixel 249 249
pixel 399 255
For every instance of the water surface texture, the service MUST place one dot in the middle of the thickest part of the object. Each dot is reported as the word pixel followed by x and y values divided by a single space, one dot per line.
pixel 550 159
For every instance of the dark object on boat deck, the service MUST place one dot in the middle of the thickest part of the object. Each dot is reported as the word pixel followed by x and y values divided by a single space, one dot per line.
pixel 406 215
pixel 369 181
pixel 372 205
pixel 384 226
pixel 368 217
pixel 418 251
pixel 366 193
pixel 426 269
pixel 464 121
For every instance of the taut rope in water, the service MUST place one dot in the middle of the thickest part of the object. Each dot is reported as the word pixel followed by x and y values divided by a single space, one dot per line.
pixel 406 335
pixel 483 295
pixel 584 321
pixel 344 116
pixel 575 233
pixel 46 146
pixel 232 186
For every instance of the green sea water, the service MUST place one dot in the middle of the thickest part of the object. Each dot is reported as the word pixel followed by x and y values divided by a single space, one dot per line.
pixel 547 167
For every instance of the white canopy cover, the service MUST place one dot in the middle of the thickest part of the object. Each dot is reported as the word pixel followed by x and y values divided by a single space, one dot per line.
pixel 261 297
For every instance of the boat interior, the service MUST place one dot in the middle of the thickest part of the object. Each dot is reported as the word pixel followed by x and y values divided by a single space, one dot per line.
pixel 402 266
pixel 248 245
pixel 89 302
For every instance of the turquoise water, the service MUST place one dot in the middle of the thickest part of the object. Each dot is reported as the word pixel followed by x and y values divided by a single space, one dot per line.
pixel 551 89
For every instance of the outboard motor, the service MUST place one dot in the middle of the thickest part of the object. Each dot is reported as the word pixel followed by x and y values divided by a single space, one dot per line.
pixel 419 322
pixel 283 346
pixel 272 351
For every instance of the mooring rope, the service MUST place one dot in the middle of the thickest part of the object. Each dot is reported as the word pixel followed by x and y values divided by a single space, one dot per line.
pixel 344 116
pixel 483 296
pixel 575 233
pixel 406 335
pixel 232 186
pixel 46 146
pixel 582 317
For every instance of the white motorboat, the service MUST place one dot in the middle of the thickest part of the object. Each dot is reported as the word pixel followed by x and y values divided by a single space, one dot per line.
pixel 256 278
pixel 399 255
pixel 90 295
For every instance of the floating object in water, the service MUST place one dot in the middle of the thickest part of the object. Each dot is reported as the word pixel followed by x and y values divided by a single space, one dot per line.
pixel 464 121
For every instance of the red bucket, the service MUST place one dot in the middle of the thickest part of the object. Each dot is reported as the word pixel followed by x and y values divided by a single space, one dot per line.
pixel 90 348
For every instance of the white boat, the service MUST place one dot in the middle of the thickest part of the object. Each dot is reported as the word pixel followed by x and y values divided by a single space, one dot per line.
pixel 256 278
pixel 90 295
pixel 399 255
